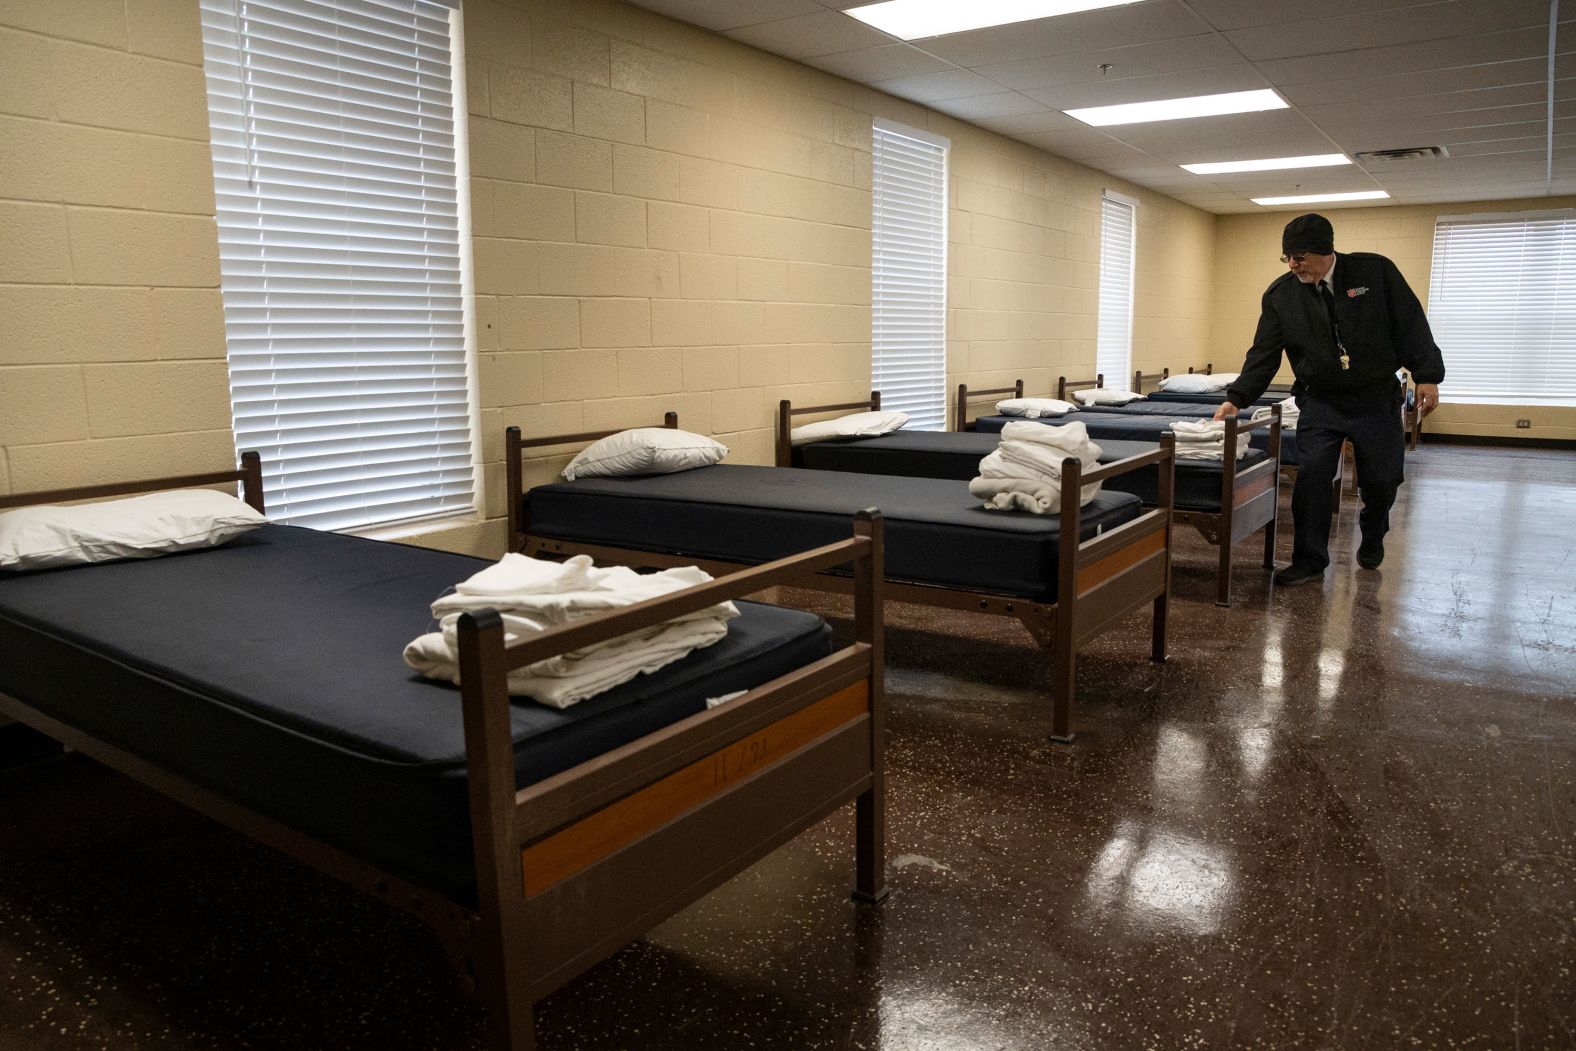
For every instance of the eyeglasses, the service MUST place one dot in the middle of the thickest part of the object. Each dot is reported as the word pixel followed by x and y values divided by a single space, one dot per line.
pixel 1297 257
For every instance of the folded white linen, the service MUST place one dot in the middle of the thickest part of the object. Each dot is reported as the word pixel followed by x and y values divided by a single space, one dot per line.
pixel 1204 440
pixel 1199 430
pixel 571 677
pixel 1289 414
pixel 1024 473
pixel 1070 438
pixel 516 574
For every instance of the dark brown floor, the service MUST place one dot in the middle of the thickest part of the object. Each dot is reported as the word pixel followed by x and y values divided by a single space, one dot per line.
pixel 1338 818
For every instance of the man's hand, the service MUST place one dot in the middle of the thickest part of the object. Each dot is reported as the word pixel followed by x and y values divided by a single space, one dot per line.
pixel 1427 397
pixel 1230 409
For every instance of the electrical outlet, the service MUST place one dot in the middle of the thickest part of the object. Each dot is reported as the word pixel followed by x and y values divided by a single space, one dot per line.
pixel 1522 425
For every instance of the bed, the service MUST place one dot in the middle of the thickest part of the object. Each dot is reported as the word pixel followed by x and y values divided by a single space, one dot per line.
pixel 269 694
pixel 1226 502
pixel 1157 393
pixel 942 547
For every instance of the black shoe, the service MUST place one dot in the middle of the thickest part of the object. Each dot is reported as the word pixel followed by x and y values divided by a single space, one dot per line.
pixel 1294 575
pixel 1370 555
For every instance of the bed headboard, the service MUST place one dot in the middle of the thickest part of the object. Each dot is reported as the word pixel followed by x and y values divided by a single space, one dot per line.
pixel 960 419
pixel 1065 386
pixel 1208 369
pixel 514 467
pixel 249 474
pixel 786 412
pixel 1154 379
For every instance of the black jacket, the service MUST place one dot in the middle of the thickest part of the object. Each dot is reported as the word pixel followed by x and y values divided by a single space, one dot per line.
pixel 1382 326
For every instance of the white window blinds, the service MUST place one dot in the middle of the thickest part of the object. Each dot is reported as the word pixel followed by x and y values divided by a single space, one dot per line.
pixel 1114 341
pixel 334 163
pixel 908 274
pixel 1502 304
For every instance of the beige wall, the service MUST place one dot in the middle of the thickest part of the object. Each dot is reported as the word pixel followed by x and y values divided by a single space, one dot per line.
pixel 111 328
pixel 667 219
pixel 1246 261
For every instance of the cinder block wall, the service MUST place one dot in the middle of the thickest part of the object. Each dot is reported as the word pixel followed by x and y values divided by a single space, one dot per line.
pixel 662 218
pixel 1247 260
pixel 111 328
pixel 667 219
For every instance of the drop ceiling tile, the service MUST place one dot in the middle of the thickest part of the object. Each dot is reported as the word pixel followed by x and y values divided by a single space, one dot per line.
pixel 1247 149
pixel 1240 14
pixel 1141 23
pixel 1345 31
pixel 1040 120
pixel 1004 104
pixel 1438 102
pixel 1203 132
pixel 806 36
pixel 1312 180
pixel 1141 60
pixel 1420 128
pixel 928 87
pixel 1411 58
pixel 719 15
pixel 1106 156
pixel 1213 81
pixel 887 62
pixel 1362 89
pixel 1073 138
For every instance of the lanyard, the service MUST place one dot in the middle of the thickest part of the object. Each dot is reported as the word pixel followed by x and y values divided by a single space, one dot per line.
pixel 1328 297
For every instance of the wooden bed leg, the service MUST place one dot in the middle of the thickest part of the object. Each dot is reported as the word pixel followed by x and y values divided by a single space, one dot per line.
pixel 1064 670
pixel 501 966
pixel 517 1033
pixel 1157 640
pixel 870 845
pixel 1166 492
pixel 870 808
pixel 1223 572
pixel 1227 529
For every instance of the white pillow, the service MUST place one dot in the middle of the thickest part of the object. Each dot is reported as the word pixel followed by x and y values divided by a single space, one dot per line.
pixel 1034 408
pixel 645 450
pixel 1198 383
pixel 1106 396
pixel 856 425
pixel 138 527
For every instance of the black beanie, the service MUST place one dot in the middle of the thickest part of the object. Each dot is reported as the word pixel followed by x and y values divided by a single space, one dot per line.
pixel 1308 233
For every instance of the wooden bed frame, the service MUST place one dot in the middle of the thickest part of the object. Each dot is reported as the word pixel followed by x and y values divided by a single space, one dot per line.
pixel 1248 495
pixel 1099 581
pixel 572 868
pixel 1154 379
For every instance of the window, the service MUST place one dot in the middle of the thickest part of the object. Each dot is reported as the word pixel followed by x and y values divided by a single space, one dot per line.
pixel 1114 342
pixel 334 161
pixel 908 274
pixel 1502 304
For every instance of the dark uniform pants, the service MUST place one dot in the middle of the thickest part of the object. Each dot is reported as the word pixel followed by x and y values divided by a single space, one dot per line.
pixel 1378 441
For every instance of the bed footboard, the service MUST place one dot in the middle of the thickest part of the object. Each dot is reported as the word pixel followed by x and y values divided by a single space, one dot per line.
pixel 1249 500
pixel 571 869
pixel 1108 576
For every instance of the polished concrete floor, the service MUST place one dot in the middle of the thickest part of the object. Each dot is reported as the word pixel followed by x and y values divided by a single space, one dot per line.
pixel 1339 817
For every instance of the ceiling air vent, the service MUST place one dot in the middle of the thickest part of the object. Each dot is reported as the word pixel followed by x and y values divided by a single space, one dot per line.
pixel 1409 153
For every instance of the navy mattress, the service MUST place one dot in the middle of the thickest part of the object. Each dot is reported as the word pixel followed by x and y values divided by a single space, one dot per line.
pixel 956 455
pixel 936 533
pixel 1147 427
pixel 1213 400
pixel 270 670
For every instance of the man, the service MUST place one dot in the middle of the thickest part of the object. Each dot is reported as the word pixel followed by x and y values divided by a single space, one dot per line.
pixel 1347 324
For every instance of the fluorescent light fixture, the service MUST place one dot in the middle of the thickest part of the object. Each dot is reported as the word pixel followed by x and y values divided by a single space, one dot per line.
pixel 912 19
pixel 1268 164
pixel 1321 198
pixel 1177 109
